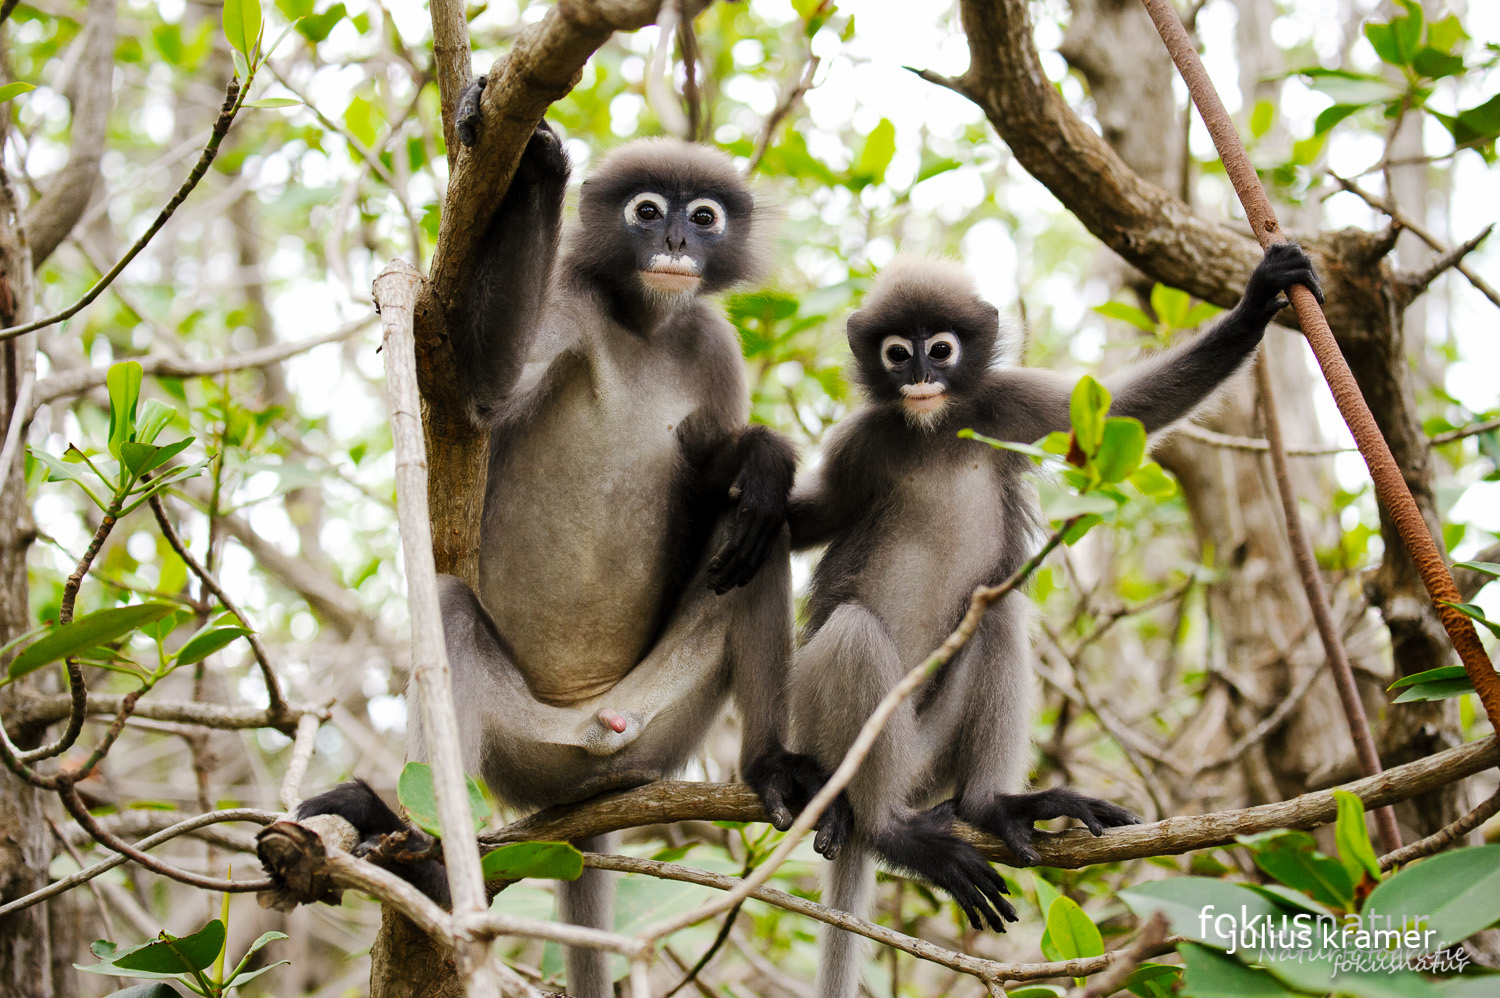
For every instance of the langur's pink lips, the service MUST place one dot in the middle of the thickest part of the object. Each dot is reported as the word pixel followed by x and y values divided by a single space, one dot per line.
pixel 673 281
pixel 925 397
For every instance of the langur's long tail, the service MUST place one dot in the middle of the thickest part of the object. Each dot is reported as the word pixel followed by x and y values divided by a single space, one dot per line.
pixel 590 901
pixel 849 886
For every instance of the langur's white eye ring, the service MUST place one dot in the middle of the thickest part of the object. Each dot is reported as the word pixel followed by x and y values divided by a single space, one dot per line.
pixel 645 208
pixel 716 218
pixel 895 350
pixel 944 349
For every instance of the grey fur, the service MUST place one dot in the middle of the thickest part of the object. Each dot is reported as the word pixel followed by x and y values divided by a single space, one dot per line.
pixel 915 519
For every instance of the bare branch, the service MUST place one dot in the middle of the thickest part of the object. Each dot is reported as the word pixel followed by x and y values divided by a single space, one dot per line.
pixel 1415 282
pixel 234 96
pixel 36 708
pixel 794 91
pixel 91 86
pixel 1417 230
pixel 296 767
pixel 150 842
pixel 67 384
pixel 1444 837
pixel 672 801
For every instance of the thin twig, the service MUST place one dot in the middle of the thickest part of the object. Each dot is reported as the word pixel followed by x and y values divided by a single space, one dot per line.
pixel 1417 230
pixel 1317 602
pixel 1418 281
pixel 77 858
pixel 790 95
pixel 1445 836
pixel 1390 486
pixel 277 708
pixel 296 767
pixel 234 97
pixel 150 842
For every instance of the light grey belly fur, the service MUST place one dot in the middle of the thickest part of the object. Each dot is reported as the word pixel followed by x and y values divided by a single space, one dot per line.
pixel 941 537
pixel 577 532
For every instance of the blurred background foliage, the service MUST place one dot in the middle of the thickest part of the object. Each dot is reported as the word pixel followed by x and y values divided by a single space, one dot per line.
pixel 307 202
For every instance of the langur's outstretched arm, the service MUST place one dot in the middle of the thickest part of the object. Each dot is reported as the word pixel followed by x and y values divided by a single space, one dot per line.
pixel 1028 404
pixel 828 499
pixel 494 323
pixel 755 473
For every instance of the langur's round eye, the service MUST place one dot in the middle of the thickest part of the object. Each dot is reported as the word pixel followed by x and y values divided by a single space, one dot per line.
pixel 645 208
pixel 646 211
pixel 943 348
pixel 704 217
pixel 894 351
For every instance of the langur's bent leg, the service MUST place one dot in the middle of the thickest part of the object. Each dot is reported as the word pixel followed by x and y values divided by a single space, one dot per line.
pixel 838 679
pixel 589 901
pixel 994 739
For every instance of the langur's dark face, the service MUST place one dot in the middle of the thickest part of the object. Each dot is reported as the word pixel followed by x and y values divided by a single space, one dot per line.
pixel 674 236
pixel 922 361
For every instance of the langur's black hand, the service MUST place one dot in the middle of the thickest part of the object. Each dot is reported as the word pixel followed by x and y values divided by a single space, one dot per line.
pixel 759 514
pixel 543 159
pixel 1012 817
pixel 466 117
pixel 1284 265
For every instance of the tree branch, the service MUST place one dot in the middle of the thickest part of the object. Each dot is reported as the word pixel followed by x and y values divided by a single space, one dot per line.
pixel 91 83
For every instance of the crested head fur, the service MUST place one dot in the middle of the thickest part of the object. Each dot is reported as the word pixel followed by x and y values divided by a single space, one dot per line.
pixel 916 295
pixel 676 169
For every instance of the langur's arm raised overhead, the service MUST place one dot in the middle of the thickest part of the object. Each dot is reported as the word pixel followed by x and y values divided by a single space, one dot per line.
pixel 1169 385
pixel 494 321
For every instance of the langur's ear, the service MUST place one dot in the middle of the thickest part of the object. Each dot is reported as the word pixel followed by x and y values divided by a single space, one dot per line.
pixel 856 326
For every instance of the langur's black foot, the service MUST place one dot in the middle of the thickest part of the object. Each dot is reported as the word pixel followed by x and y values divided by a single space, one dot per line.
pixel 544 158
pixel 1012 817
pixel 785 782
pixel 924 844
pixel 373 820
pixel 1284 265
pixel 466 116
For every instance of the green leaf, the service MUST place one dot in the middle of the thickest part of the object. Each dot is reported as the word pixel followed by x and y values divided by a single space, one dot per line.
pixel 414 790
pixel 165 453
pixel 545 860
pixel 273 102
pixel 1458 893
pixel 57 469
pixel 1045 893
pixel 1442 672
pixel 208 641
pixel 1089 402
pixel 1121 449
pixel 155 416
pixel 1291 857
pixel 1353 838
pixel 1127 313
pixel 1476 614
pixel 316 27
pixel 190 953
pixel 157 990
pixel 875 156
pixel 1210 974
pixel 1200 313
pixel 1072 931
pixel 1029 450
pixel 124 382
pixel 1154 980
pixel 1171 305
pixel 1487 567
pixel 253 974
pixel 1331 116
pixel 134 454
pixel 1446 33
pixel 255 947
pixel 1152 481
pixel 363 119
pixel 13 90
pixel 1262 117
pixel 1442 689
pixel 86 632
pixel 1067 506
pixel 1036 991
pixel 1435 65
pixel 242 25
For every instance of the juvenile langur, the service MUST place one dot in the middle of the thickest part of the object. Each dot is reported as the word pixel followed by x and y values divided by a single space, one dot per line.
pixel 915 518
pixel 633 570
